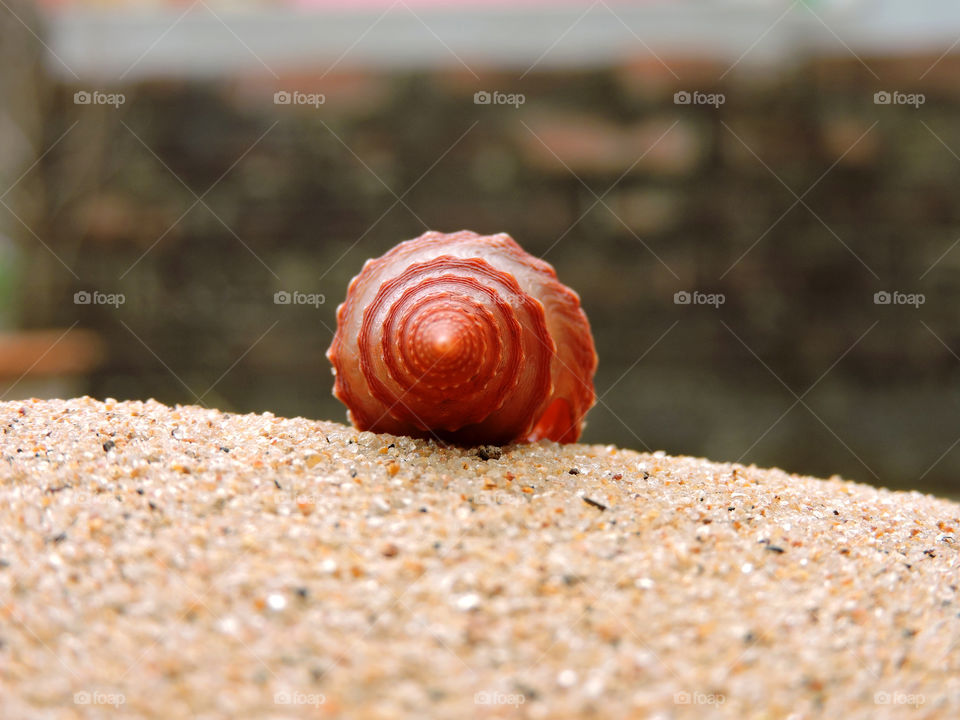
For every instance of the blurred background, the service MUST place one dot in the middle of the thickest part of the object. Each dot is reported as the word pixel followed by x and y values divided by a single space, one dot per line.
pixel 757 202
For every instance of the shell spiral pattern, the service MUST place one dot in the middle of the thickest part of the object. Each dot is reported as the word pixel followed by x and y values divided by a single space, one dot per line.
pixel 466 338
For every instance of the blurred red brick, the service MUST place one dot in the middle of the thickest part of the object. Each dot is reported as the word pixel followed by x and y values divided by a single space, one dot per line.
pixel 921 72
pixel 109 218
pixel 49 352
pixel 346 92
pixel 591 145
pixel 646 76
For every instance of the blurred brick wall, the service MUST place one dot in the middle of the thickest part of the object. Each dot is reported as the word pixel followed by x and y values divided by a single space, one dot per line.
pixel 315 196
pixel 22 95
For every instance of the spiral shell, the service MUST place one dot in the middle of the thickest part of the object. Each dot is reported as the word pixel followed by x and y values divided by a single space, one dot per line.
pixel 466 338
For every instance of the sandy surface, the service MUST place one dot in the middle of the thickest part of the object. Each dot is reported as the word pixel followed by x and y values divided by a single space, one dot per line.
pixel 181 562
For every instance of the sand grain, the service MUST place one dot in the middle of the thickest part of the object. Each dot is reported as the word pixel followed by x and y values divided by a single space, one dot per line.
pixel 200 564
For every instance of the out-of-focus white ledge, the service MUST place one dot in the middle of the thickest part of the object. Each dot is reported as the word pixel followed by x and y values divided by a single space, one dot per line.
pixel 113 44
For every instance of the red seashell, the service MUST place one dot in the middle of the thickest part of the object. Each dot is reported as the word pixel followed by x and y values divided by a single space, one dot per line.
pixel 466 338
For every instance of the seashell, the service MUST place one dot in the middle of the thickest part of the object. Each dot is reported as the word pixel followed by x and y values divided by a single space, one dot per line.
pixel 466 338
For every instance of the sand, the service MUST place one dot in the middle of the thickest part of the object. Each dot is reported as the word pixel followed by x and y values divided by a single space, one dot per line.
pixel 182 562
